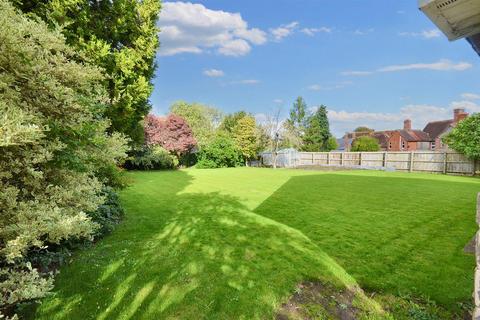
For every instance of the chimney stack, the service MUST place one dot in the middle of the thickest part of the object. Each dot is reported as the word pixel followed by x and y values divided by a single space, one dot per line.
pixel 459 114
pixel 407 124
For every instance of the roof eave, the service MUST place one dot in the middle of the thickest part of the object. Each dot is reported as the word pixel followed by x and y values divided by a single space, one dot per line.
pixel 457 19
pixel 475 42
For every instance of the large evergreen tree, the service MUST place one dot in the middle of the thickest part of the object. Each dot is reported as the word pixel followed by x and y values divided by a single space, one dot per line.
pixel 121 37
pixel 317 131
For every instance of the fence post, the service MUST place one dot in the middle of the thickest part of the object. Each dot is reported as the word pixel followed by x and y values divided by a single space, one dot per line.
pixel 360 159
pixel 476 284
pixel 410 168
pixel 341 158
pixel 385 159
pixel 445 163
pixel 312 158
pixel 328 158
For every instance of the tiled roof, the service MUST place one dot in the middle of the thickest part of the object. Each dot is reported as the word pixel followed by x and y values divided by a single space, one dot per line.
pixel 415 135
pixel 382 138
pixel 436 128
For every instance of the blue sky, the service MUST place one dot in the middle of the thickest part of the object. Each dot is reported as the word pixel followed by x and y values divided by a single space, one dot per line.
pixel 371 62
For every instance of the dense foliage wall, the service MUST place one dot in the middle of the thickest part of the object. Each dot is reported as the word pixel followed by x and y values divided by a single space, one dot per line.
pixel 54 149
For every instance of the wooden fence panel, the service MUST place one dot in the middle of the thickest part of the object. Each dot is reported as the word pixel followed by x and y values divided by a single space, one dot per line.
pixel 398 160
pixel 372 159
pixel 416 161
pixel 428 161
pixel 335 158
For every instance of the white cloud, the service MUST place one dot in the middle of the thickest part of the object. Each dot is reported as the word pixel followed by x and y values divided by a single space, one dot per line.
pixel 284 30
pixel 426 34
pixel 343 121
pixel 344 116
pixel 235 48
pixel 254 35
pixel 468 105
pixel 193 28
pixel 441 65
pixel 320 87
pixel 246 81
pixel 279 101
pixel 420 114
pixel 470 96
pixel 401 12
pixel 356 73
pixel 215 73
pixel 312 31
pixel 360 32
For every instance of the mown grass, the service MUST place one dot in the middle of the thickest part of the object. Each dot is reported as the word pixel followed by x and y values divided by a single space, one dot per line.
pixel 234 243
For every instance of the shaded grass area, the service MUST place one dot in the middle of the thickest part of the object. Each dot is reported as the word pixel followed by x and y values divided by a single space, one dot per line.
pixel 234 243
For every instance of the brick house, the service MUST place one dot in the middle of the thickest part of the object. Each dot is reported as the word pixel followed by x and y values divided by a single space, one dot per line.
pixel 408 139
pixel 438 129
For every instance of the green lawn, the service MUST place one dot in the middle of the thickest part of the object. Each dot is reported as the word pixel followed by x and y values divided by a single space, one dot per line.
pixel 234 243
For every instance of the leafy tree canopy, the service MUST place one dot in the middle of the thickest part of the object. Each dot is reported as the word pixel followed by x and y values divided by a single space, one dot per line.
pixel 172 133
pixel 298 114
pixel 363 129
pixel 231 120
pixel 203 120
pixel 121 37
pixel 245 137
pixel 332 144
pixel 294 128
pixel 365 143
pixel 465 137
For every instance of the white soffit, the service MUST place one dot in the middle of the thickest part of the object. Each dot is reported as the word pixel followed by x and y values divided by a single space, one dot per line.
pixel 456 18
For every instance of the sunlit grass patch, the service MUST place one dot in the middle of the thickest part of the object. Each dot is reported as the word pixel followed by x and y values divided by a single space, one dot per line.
pixel 235 243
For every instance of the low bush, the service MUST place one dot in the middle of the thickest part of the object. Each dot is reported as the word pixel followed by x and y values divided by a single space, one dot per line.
pixel 152 158
pixel 365 143
pixel 108 214
pixel 220 153
pixel 53 255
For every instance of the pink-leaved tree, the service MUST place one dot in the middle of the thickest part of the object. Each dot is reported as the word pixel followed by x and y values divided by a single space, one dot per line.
pixel 172 133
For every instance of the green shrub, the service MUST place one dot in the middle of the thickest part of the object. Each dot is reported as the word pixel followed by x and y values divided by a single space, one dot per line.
pixel 108 214
pixel 365 143
pixel 152 158
pixel 53 146
pixel 53 255
pixel 465 137
pixel 220 153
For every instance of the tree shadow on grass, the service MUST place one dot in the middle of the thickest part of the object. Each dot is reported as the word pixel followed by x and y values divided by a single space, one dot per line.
pixel 188 256
pixel 392 234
